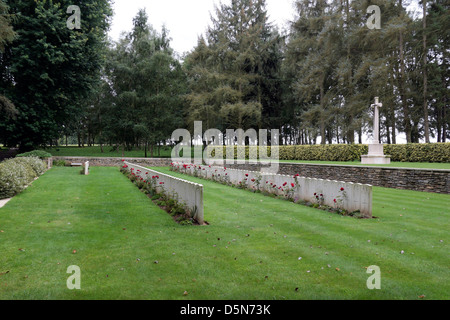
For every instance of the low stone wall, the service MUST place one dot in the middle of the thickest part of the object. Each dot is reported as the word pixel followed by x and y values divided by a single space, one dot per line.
pixel 184 192
pixel 427 180
pixel 348 196
pixel 115 162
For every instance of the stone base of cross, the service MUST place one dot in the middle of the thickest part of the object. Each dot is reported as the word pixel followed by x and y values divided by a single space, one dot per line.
pixel 376 149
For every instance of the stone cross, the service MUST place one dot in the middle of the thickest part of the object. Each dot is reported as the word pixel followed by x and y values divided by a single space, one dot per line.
pixel 376 121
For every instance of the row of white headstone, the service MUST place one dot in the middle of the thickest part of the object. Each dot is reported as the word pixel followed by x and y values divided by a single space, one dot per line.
pixel 348 196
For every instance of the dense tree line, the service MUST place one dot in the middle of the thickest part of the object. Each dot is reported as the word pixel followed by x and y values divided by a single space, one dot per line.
pixel 315 83
pixel 47 71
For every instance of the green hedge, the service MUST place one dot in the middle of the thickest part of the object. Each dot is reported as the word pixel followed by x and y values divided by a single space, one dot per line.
pixel 431 152
pixel 423 152
pixel 36 153
pixel 17 173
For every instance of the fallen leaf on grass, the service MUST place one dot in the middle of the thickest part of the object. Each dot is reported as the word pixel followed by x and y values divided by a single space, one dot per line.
pixel 185 293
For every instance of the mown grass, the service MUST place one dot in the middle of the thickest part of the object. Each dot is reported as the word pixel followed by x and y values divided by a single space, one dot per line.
pixel 108 152
pixel 127 248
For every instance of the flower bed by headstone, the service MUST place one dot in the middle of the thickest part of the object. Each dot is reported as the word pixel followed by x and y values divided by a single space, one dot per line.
pixel 180 198
pixel 350 199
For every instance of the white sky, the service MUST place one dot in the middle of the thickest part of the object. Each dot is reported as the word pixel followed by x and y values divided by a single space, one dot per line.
pixel 186 20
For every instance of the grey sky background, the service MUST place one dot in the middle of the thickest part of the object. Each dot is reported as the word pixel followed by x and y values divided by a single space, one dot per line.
pixel 187 20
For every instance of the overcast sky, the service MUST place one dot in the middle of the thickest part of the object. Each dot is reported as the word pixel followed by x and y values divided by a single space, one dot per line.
pixel 186 20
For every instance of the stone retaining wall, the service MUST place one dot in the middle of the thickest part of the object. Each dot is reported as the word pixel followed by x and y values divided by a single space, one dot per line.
pixel 115 162
pixel 427 180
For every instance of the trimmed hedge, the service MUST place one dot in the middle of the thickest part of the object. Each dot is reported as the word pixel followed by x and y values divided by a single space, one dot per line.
pixel 419 152
pixel 16 174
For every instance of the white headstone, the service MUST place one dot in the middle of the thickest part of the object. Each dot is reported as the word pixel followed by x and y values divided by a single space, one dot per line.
pixel 86 168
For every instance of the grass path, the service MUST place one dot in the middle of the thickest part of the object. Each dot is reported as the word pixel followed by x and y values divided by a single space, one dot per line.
pixel 127 248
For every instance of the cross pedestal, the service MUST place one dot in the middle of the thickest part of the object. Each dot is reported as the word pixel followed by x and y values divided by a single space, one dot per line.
pixel 376 149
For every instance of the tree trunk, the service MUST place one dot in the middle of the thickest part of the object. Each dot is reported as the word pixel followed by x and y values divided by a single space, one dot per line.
pixel 425 75
pixel 322 107
pixel 407 121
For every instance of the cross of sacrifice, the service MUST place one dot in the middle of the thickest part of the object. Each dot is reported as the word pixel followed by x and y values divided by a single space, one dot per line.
pixel 376 120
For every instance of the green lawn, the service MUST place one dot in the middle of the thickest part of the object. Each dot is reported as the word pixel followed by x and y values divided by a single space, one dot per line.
pixel 250 251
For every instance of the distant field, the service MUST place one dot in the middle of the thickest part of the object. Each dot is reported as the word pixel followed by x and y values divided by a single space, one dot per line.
pixel 108 152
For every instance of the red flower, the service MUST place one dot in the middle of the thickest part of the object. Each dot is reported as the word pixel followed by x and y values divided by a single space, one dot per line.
pixel 285 184
pixel 246 174
pixel 161 183
pixel 342 189
pixel 335 200
pixel 293 185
